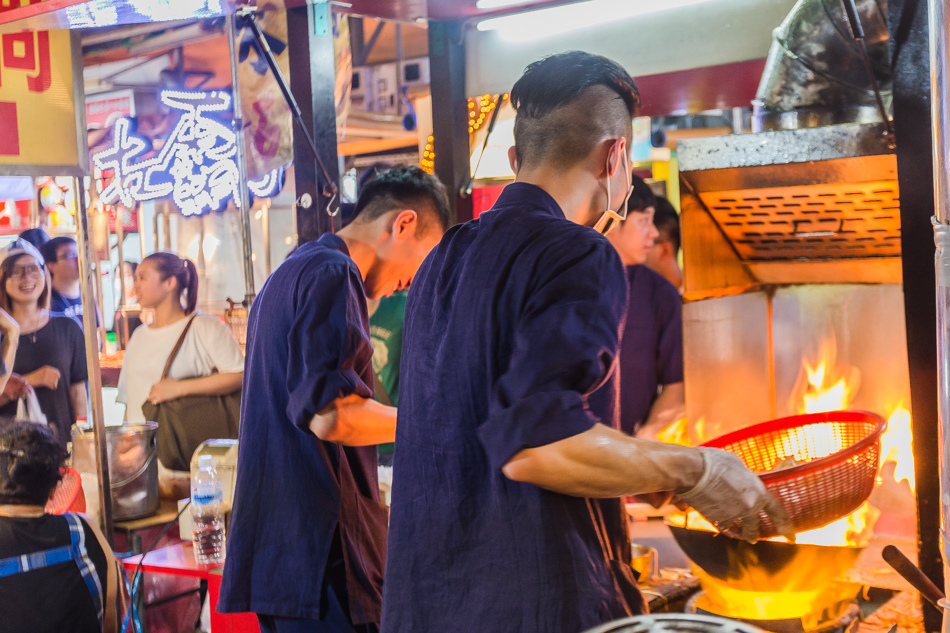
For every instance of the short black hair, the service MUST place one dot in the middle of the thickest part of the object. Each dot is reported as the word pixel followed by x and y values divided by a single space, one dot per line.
pixel 30 463
pixel 548 129
pixel 37 237
pixel 405 187
pixel 642 197
pixel 667 222
pixel 50 249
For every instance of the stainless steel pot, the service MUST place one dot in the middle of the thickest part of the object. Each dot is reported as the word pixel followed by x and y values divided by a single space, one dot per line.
pixel 133 467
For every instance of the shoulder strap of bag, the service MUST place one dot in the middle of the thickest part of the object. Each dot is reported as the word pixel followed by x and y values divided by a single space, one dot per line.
pixel 181 339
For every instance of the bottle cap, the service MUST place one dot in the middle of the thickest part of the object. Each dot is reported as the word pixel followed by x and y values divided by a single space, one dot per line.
pixel 206 461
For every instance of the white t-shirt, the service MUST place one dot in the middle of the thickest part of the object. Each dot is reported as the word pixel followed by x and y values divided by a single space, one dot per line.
pixel 209 346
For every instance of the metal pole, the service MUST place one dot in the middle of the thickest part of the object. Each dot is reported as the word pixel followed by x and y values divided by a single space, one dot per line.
pixel 244 198
pixel 86 279
pixel 120 252
pixel 450 114
pixel 265 228
pixel 140 221
pixel 155 242
pixel 940 113
pixel 167 225
pixel 399 69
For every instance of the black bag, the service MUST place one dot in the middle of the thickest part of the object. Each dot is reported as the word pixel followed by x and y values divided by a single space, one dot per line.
pixel 184 423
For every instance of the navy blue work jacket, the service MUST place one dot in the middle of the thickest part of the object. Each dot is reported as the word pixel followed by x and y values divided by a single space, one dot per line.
pixel 511 323
pixel 651 349
pixel 307 345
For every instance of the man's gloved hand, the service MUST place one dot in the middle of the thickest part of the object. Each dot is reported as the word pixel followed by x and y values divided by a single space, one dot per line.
pixel 728 492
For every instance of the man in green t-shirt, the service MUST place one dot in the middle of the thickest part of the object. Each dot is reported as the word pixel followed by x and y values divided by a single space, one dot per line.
pixel 385 329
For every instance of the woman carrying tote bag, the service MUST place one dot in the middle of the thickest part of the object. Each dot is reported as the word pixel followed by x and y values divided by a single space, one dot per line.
pixel 184 369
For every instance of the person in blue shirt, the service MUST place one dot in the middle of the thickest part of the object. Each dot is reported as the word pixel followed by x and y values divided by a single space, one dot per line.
pixel 62 260
pixel 651 346
pixel 307 540
pixel 504 513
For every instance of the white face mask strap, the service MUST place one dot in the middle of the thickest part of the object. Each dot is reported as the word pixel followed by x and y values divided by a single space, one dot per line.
pixel 610 213
pixel 605 216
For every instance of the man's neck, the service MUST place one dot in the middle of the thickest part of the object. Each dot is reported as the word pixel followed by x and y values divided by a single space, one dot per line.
pixel 70 290
pixel 358 244
pixel 573 189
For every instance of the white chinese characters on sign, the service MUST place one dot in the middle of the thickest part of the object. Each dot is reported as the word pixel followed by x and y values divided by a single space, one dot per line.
pixel 197 165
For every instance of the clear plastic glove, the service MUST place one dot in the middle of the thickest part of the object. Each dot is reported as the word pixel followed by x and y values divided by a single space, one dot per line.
pixel 728 492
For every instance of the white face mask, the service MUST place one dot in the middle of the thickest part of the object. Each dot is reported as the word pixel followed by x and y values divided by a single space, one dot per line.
pixel 611 218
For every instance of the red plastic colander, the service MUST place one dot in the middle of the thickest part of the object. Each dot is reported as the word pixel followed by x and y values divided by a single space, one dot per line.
pixel 68 496
pixel 820 466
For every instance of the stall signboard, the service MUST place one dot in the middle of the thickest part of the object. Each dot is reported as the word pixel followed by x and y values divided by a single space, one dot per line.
pixel 10 5
pixel 268 136
pixel 42 132
pixel 102 111
pixel 196 166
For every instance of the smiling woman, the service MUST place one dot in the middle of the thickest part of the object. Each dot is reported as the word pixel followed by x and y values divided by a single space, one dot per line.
pixel 50 359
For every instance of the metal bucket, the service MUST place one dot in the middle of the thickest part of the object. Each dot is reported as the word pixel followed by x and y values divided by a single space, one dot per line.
pixel 133 467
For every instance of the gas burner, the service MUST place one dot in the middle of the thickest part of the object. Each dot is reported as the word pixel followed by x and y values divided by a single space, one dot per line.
pixel 846 621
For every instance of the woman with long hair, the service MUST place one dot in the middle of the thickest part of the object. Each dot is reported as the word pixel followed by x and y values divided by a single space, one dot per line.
pixel 209 361
pixel 51 352
pixel 57 572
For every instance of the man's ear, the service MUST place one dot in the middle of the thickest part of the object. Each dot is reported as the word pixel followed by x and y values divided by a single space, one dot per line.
pixel 405 223
pixel 513 159
pixel 615 160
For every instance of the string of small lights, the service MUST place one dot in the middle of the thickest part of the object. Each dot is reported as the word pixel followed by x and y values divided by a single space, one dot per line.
pixel 480 107
pixel 428 156
pixel 479 110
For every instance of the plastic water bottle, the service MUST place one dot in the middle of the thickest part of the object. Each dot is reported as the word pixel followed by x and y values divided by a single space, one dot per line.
pixel 207 513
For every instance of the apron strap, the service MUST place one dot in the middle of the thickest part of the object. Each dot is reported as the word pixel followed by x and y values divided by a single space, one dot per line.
pixel 75 551
pixel 78 538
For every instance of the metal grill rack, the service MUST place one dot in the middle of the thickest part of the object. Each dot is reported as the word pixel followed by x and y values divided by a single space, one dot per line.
pixel 828 220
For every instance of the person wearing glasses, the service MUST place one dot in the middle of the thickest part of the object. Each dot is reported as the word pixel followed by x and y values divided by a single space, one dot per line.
pixel 62 260
pixel 50 358
pixel 651 347
pixel 507 475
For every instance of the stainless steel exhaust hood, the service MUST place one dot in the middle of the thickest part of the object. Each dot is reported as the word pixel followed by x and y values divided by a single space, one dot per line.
pixel 800 203
pixel 794 206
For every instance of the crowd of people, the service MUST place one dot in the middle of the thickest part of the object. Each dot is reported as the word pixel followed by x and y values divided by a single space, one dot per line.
pixel 535 359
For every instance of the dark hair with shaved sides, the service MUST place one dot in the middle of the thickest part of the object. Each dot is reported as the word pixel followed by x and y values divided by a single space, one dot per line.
pixel 569 102
pixel 405 187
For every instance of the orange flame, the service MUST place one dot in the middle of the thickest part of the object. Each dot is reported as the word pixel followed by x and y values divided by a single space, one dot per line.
pixel 897 446
pixel 823 386
pixel 826 387
pixel 676 433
